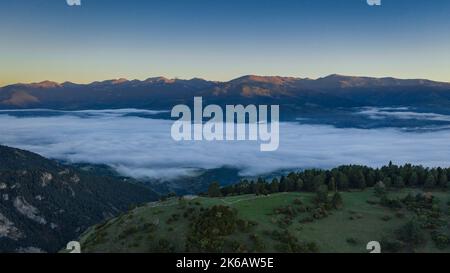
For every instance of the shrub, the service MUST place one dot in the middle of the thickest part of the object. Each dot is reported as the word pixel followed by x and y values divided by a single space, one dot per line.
pixel 400 215
pixel 208 228
pixel 259 245
pixel 441 240
pixel 291 244
pixel 391 203
pixel 380 189
pixel 320 213
pixel 245 226
pixel 411 233
pixel 337 201
pixel 305 220
pixel 352 241
pixel 392 245
pixel 163 246
pixel 322 194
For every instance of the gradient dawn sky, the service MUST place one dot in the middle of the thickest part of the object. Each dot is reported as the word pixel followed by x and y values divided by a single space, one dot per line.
pixel 222 39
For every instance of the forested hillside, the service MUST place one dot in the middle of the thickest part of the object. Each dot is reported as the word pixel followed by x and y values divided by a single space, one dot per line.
pixel 404 208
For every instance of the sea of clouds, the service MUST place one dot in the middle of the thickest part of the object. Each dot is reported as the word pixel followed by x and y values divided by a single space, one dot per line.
pixel 142 147
pixel 404 113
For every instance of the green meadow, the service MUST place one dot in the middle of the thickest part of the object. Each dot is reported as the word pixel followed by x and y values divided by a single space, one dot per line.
pixel 165 226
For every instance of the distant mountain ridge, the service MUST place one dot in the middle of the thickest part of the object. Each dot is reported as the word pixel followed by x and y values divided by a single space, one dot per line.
pixel 276 80
pixel 156 93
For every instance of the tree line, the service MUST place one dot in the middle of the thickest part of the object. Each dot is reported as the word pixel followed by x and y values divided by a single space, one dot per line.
pixel 343 178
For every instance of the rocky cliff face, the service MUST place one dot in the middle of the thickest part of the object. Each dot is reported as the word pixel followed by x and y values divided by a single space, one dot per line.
pixel 44 204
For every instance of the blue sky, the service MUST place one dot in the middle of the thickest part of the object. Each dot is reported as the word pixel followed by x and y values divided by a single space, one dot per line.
pixel 222 39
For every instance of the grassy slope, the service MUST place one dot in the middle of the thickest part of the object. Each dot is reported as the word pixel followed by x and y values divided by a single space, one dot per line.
pixel 128 232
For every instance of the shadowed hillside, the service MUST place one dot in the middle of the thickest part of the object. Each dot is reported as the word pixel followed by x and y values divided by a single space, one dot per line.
pixel 44 204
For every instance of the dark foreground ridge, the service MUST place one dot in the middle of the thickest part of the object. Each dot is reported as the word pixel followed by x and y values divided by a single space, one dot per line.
pixel 44 204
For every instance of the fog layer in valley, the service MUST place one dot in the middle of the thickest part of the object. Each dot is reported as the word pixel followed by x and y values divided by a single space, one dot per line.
pixel 142 147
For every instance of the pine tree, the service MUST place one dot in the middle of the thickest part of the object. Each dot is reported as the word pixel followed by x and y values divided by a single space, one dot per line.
pixel 413 179
pixel 214 190
pixel 371 180
pixel 337 201
pixel 380 189
pixel 442 181
pixel 322 194
pixel 318 181
pixel 283 186
pixel 430 182
pixel 332 185
pixel 261 188
pixel 360 180
pixel 274 186
pixel 398 182
pixel 342 181
pixel 291 180
pixel 387 182
pixel 299 184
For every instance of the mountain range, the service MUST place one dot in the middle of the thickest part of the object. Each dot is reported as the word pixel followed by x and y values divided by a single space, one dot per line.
pixel 293 94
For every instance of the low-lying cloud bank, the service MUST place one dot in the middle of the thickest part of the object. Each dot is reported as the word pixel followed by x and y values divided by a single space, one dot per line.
pixel 143 147
pixel 401 113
